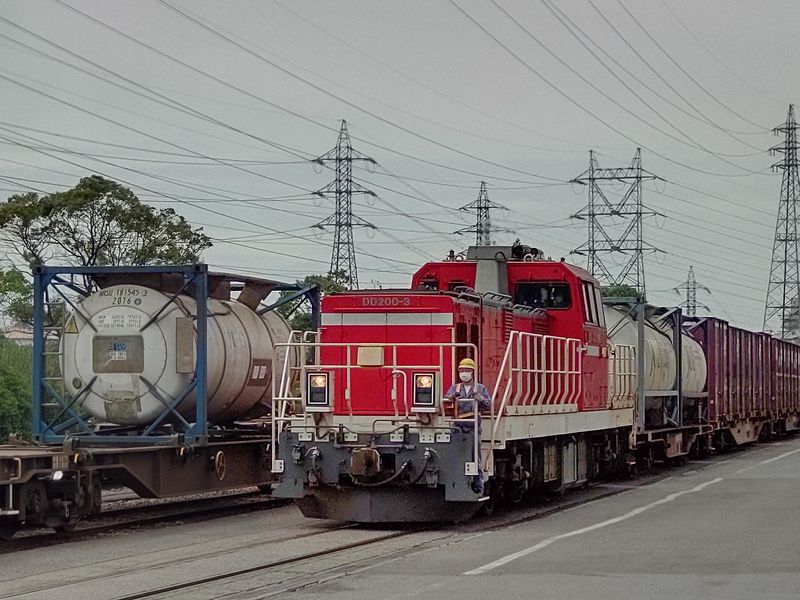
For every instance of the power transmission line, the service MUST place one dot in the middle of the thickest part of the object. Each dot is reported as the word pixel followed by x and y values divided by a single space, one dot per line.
pixel 557 56
pixel 713 55
pixel 455 99
pixel 563 19
pixel 349 103
pixel 657 72
pixel 684 71
pixel 572 100
pixel 259 98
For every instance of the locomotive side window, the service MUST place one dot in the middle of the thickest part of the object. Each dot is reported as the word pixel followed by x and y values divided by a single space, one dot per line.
pixel 461 338
pixel 592 304
pixel 456 283
pixel 429 283
pixel 543 295
pixel 599 298
pixel 474 338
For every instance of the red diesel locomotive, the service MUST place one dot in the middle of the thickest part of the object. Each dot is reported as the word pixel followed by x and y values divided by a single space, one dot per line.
pixel 579 387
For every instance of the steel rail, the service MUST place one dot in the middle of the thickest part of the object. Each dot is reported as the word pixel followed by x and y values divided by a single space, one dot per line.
pixel 167 589
pixel 119 518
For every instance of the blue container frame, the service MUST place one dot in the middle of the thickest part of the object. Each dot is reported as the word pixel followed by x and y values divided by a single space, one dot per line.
pixel 47 278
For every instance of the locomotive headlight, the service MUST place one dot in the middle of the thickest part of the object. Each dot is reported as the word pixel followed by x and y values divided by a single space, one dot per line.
pixel 318 381
pixel 317 392
pixel 424 382
pixel 424 388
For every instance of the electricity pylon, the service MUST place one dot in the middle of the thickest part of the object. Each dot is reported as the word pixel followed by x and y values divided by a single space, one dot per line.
pixel 483 222
pixel 616 225
pixel 783 292
pixel 343 255
pixel 690 286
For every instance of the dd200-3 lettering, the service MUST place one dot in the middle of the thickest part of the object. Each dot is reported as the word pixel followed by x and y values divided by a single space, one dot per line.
pixel 390 301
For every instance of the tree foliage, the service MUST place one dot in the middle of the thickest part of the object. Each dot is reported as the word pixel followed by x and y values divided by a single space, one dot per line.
pixel 299 316
pixel 621 291
pixel 15 389
pixel 98 222
pixel 16 296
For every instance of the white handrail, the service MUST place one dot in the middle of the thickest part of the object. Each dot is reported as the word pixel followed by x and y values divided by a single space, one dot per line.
pixel 549 367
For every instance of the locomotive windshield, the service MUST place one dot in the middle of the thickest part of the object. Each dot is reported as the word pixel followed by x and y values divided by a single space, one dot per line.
pixel 541 294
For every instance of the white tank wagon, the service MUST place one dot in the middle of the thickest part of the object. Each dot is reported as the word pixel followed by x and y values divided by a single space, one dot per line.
pixel 134 347
pixel 659 353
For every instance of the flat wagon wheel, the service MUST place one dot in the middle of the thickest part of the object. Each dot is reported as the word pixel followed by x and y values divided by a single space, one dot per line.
pixel 96 499
pixel 67 523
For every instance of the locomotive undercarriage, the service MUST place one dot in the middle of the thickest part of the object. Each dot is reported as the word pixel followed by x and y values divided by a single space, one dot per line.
pixel 377 477
pixel 373 479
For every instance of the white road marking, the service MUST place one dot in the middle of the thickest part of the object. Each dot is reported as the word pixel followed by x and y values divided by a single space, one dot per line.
pixel 636 511
pixel 769 460
pixel 545 543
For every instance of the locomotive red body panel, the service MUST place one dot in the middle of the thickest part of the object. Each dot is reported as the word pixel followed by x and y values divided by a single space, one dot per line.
pixel 417 318
pixel 569 294
pixel 381 318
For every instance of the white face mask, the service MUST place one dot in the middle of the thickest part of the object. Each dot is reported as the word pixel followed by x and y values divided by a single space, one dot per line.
pixel 465 376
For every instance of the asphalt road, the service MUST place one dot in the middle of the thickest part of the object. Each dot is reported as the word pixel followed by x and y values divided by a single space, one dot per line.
pixel 726 528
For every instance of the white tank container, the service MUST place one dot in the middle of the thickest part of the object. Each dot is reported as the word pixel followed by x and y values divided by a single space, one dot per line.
pixel 660 363
pixel 138 367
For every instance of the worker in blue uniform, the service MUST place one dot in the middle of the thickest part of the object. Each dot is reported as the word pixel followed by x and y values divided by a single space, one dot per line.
pixel 464 393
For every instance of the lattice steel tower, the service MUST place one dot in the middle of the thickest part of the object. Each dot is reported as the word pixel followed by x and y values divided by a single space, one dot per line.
pixel 483 222
pixel 616 224
pixel 343 255
pixel 783 292
pixel 690 286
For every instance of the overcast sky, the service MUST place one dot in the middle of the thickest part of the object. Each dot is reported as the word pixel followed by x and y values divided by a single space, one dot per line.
pixel 438 100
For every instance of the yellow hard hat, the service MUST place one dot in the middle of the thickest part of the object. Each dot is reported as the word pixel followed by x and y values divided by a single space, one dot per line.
pixel 467 363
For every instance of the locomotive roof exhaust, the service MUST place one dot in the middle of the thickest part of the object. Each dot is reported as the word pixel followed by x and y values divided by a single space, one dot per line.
pixel 491 273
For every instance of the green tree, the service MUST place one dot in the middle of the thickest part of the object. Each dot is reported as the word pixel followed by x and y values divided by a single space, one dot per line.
pixel 15 389
pixel 98 222
pixel 16 296
pixel 299 314
pixel 621 291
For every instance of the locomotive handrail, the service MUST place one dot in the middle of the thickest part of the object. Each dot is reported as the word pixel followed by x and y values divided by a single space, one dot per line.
pixel 530 363
pixel 622 374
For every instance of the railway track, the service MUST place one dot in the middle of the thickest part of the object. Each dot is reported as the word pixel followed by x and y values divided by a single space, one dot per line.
pixel 125 510
pixel 416 538
pixel 179 587
pixel 385 547
pixel 336 551
pixel 366 553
